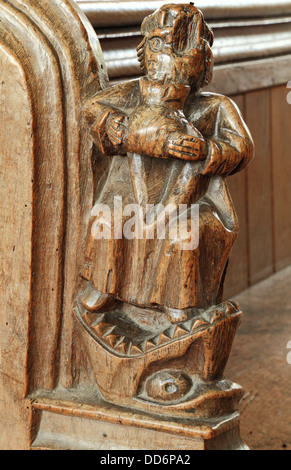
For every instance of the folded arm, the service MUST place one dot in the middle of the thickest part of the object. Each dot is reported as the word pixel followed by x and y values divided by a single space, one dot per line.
pixel 107 114
pixel 231 147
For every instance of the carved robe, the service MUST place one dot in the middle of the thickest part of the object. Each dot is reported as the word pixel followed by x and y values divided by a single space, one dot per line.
pixel 158 272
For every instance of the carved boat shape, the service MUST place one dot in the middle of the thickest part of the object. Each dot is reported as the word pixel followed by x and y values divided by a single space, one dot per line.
pixel 177 366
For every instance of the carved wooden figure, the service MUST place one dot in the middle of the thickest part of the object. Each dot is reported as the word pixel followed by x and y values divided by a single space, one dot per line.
pixel 117 227
pixel 150 308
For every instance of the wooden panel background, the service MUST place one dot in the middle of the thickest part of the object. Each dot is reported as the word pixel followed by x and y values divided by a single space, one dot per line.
pixel 262 192
pixel 281 172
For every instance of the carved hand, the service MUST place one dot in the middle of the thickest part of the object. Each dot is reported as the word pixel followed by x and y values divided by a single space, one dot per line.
pixel 187 147
pixel 116 128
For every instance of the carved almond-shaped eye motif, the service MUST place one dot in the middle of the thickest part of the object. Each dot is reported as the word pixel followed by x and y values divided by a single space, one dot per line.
pixel 167 386
pixel 156 44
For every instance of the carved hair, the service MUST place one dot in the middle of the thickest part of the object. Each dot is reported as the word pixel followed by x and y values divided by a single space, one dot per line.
pixel 180 17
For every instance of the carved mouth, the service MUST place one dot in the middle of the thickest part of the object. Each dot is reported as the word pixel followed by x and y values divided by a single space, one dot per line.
pixel 123 335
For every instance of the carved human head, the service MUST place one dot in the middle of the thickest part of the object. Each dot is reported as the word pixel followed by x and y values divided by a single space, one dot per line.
pixel 176 47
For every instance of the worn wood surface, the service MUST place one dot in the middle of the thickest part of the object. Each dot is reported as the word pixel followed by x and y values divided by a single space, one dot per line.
pixel 260 348
pixel 59 74
pixel 69 425
pixel 16 175
pixel 47 193
pixel 235 25
pixel 48 56
pixel 150 308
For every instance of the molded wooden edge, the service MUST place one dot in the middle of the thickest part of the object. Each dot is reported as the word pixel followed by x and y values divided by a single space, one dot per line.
pixel 18 29
pixel 116 415
pixel 98 12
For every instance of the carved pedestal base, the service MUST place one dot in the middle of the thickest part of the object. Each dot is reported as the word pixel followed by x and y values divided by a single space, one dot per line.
pixel 165 380
pixel 75 426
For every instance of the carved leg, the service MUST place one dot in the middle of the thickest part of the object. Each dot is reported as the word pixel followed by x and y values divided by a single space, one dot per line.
pixel 175 315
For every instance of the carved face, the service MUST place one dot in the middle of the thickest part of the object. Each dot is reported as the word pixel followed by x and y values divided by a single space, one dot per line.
pixel 163 63
pixel 176 46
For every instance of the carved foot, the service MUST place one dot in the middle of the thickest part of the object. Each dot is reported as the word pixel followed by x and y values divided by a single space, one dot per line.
pixel 94 301
pixel 175 315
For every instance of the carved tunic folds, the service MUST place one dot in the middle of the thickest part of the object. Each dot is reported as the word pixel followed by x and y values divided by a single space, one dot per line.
pixel 150 300
pixel 152 271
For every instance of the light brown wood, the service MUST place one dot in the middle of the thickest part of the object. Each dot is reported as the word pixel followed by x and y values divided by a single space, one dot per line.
pixel 50 176
pixel 104 427
pixel 48 55
pixel 16 175
pixel 53 73
pixel 61 66
pixel 147 308
pixel 252 46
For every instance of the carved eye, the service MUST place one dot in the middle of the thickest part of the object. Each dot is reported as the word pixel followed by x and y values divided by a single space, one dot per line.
pixel 156 44
pixel 167 385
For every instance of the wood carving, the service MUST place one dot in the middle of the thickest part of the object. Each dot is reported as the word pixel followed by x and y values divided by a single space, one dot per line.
pixel 50 63
pixel 150 334
pixel 149 310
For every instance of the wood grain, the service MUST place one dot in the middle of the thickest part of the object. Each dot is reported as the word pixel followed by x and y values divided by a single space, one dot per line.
pixel 259 187
pixel 281 176
pixel 16 175
pixel 48 66
pixel 147 307
pixel 237 276
pixel 59 75
pixel 51 67
pixel 65 425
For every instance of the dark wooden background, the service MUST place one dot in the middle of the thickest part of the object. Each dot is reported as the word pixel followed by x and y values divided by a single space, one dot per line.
pixel 262 192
